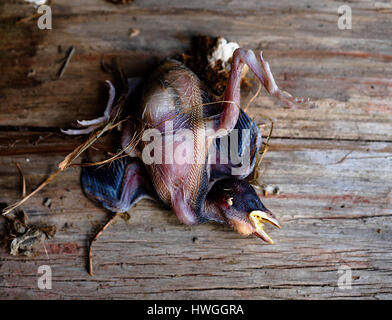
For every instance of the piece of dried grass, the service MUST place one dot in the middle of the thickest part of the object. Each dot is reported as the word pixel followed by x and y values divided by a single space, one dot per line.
pixel 71 157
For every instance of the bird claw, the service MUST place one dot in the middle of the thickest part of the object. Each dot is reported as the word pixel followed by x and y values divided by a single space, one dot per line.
pixel 281 95
pixel 78 131
pixel 91 125
pixel 293 102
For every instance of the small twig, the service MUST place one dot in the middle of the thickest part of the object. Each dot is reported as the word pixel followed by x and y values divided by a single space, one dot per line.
pixel 66 62
pixel 23 179
pixel 42 185
pixel 265 149
pixel 254 97
pixel 255 175
pixel 41 138
pixel 30 17
pixel 345 157
pixel 84 146
pixel 97 235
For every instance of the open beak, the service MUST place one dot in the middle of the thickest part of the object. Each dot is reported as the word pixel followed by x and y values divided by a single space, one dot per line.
pixel 257 218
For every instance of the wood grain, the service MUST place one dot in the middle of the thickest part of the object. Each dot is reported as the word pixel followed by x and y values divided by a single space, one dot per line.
pixel 333 163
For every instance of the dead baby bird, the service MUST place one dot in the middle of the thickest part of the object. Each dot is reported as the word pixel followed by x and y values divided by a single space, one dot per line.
pixel 187 154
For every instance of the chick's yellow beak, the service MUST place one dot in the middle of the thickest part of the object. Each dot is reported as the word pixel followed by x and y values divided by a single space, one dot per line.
pixel 257 218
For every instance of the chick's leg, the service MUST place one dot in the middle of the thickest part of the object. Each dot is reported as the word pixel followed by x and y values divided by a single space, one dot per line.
pixel 272 88
pixel 262 70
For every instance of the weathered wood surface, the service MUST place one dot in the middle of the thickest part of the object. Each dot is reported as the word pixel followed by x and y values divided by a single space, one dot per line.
pixel 333 163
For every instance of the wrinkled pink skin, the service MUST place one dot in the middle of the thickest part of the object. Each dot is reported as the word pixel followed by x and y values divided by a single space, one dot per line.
pixel 183 186
pixel 175 95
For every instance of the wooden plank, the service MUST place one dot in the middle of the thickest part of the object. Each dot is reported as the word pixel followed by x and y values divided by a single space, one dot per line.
pixel 335 208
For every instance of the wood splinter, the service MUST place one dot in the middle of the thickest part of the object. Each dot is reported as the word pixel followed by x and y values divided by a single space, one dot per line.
pixel 66 62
